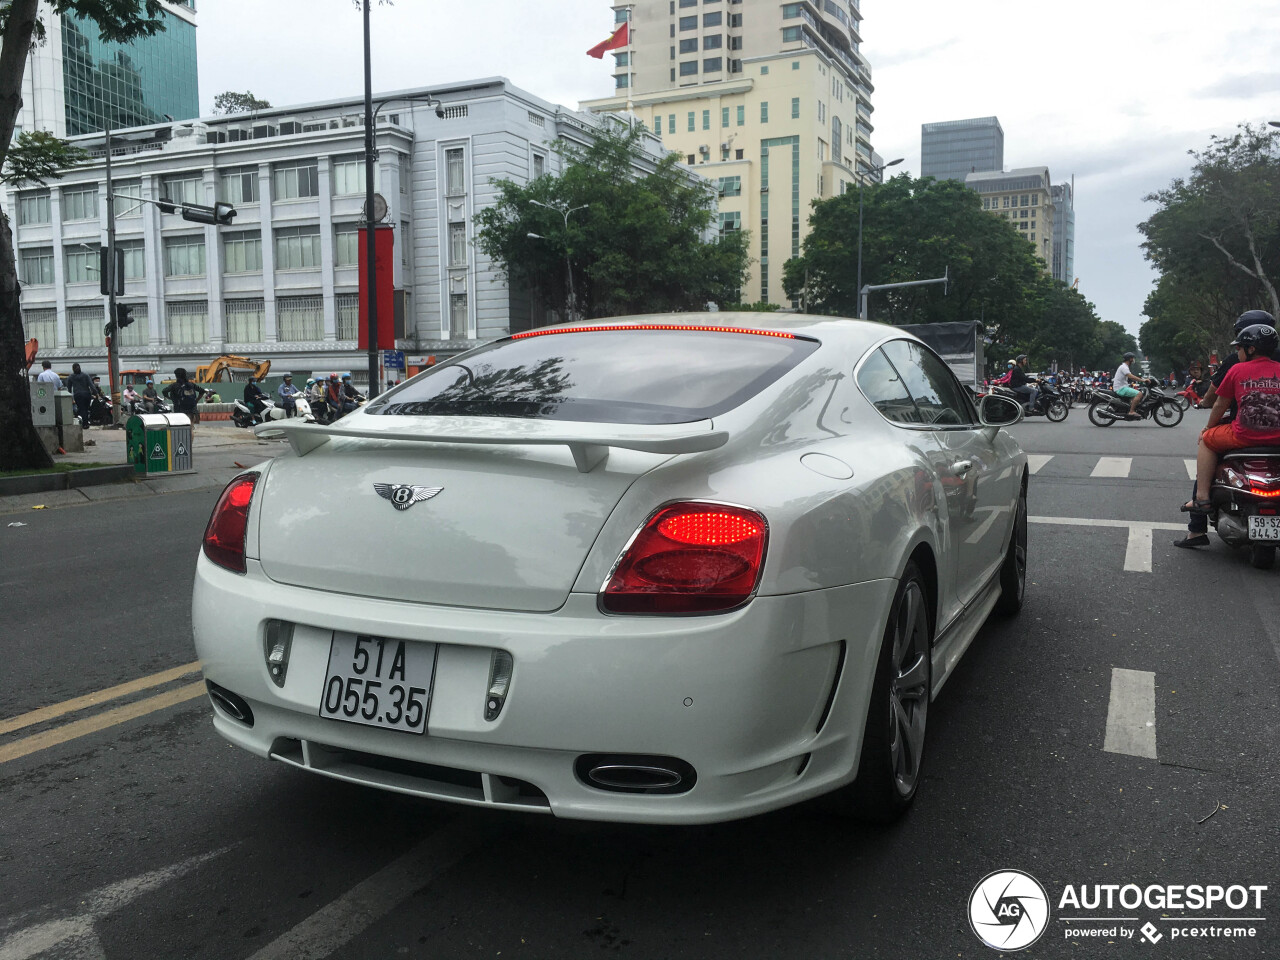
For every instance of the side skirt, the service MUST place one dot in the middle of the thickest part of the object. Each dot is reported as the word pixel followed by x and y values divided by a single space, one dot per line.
pixel 957 636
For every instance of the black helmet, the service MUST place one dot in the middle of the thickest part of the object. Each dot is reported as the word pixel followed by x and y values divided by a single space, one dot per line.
pixel 1130 355
pixel 1260 336
pixel 1251 317
pixel 1021 357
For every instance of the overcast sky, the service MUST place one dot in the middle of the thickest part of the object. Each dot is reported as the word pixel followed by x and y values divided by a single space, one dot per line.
pixel 1112 91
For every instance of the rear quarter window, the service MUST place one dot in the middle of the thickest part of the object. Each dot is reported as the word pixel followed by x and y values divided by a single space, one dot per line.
pixel 609 375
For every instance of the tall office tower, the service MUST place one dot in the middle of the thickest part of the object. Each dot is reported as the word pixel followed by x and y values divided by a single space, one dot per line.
pixel 76 83
pixel 953 149
pixel 1064 232
pixel 1022 197
pixel 770 101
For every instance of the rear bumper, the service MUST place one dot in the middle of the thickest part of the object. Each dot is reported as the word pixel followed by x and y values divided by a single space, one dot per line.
pixel 739 696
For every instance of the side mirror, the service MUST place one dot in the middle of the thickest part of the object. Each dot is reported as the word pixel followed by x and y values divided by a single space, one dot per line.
pixel 997 411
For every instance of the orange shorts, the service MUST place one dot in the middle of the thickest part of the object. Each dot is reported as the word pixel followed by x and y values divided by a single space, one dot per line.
pixel 1222 438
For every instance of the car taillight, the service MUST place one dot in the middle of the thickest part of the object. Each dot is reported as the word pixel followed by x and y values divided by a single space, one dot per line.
pixel 224 536
pixel 689 558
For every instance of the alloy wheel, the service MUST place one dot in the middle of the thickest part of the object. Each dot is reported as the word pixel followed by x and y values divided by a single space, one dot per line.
pixel 909 689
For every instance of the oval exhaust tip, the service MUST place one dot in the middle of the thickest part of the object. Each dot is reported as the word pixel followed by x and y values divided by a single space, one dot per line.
pixel 620 776
pixel 635 773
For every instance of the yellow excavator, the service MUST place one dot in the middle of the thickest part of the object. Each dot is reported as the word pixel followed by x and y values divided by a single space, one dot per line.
pixel 212 372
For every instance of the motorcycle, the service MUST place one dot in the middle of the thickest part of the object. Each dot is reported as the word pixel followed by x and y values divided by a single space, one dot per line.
pixel 1188 398
pixel 1051 403
pixel 100 410
pixel 1107 408
pixel 243 416
pixel 1246 502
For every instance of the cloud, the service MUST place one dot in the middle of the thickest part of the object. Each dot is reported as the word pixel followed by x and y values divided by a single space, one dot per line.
pixel 906 56
pixel 1242 86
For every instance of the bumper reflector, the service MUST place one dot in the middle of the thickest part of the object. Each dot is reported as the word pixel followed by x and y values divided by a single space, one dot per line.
pixel 499 681
pixel 277 642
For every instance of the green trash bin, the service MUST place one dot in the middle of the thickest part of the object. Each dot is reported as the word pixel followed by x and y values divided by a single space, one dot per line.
pixel 159 443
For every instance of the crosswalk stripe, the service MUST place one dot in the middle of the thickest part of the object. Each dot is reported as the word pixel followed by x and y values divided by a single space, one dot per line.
pixel 1137 554
pixel 1131 714
pixel 1191 469
pixel 1037 460
pixel 1112 467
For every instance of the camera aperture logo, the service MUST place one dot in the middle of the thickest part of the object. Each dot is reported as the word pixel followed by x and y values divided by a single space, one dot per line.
pixel 1008 910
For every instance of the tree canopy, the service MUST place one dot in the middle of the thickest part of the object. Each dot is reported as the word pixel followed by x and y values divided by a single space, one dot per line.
pixel 1215 240
pixel 637 245
pixel 231 102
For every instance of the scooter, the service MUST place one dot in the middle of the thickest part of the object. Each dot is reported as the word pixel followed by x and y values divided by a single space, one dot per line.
pixel 1050 403
pixel 242 416
pixel 1246 502
pixel 100 410
pixel 1107 407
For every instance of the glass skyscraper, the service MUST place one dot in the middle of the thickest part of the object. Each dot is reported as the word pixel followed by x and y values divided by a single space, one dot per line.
pixel 953 149
pixel 128 85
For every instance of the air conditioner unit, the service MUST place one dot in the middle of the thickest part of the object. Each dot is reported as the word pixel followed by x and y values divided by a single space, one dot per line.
pixel 704 149
pixel 725 145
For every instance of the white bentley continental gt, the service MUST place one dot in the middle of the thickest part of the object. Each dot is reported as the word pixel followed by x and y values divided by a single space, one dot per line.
pixel 663 569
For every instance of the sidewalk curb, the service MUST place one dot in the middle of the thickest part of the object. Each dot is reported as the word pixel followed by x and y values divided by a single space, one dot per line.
pixel 67 480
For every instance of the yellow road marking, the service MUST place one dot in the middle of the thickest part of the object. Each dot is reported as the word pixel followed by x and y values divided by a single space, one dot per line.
pixel 90 699
pixel 100 721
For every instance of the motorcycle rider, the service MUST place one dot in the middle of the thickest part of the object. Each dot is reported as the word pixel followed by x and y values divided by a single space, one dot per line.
pixel 131 399
pixel 1021 385
pixel 287 392
pixel 1122 385
pixel 255 397
pixel 150 399
pixel 351 397
pixel 315 397
pixel 1246 319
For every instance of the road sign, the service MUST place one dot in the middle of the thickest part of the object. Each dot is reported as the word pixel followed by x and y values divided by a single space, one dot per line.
pixel 393 359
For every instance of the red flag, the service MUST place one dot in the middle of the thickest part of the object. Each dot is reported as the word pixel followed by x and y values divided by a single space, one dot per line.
pixel 620 38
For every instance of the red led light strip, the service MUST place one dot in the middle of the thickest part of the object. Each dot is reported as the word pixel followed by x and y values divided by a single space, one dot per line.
pixel 656 326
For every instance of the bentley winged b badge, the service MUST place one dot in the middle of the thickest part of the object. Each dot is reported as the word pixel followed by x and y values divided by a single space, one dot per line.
pixel 405 495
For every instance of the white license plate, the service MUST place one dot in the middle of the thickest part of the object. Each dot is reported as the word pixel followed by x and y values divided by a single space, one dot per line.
pixel 379 682
pixel 1264 528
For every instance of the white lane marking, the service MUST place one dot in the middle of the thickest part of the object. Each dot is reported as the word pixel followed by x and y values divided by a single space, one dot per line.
pixel 76 934
pixel 1191 469
pixel 1090 522
pixel 1112 467
pixel 344 919
pixel 1131 714
pixel 1137 553
pixel 992 513
pixel 1037 460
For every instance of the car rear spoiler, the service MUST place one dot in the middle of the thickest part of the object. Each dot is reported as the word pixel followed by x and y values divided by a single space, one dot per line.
pixel 588 442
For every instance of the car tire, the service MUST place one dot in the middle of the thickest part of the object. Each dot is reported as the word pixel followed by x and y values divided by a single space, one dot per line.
pixel 893 738
pixel 1013 572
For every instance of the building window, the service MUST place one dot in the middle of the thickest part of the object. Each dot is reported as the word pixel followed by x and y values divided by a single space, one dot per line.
pixel 673 53
pixel 730 222
pixel 822 112
pixel 712 65
pixel 457 244
pixel 346 245
pixel 242 252
pixel 455 173
pixel 457 316
pixel 82 264
pixel 688 23
pixel 295 181
pixel 36 267
pixel 737 154
pixel 184 256
pixel 692 125
pixel 185 188
pixel 41 325
pixel 187 321
pixel 735 19
pixel 764 70
pixel 403 170
pixel 730 186
pixel 134 254
pixel 621 16
pixel 246 320
pixel 33 207
pixel 297 248
pixel 692 159
pixel 1025 200
pixel 712 19
pixel 687 69
pixel 688 3
pixel 79 203
pixel 621 80
pixel 239 185
pixel 348 177
pixel 792 34
pixel 790 11
pixel 671 122
pixel 764 111
pixel 347 314
pixel 735 43
pixel 713 42
pixel 1006 202
pixel 300 318
pixel 689 46
pixel 1033 236
pixel 84 326
pixel 706 118
pixel 795 108
pixel 742 115
pixel 621 59
pixel 822 154
pixel 128 199
pixel 540 162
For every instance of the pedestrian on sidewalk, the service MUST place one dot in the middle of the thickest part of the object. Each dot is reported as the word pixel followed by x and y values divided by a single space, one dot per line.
pixel 47 375
pixel 81 388
pixel 184 395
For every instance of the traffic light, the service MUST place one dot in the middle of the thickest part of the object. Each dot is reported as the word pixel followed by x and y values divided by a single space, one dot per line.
pixel 124 315
pixel 219 215
pixel 105 275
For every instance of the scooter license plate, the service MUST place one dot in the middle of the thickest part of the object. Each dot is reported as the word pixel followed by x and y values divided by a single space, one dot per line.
pixel 1264 528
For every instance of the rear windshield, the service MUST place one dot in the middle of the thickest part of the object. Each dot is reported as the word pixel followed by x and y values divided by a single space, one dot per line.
pixel 604 376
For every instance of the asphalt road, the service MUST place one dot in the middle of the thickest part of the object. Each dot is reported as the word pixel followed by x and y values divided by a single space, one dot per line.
pixel 149 836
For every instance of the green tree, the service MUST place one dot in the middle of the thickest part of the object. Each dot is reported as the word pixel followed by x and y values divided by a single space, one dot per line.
pixel 916 230
pixel 1066 328
pixel 232 102
pixel 20 26
pixel 637 246
pixel 1215 239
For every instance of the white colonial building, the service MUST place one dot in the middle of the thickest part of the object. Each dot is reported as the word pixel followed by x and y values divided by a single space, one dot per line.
pixel 281 282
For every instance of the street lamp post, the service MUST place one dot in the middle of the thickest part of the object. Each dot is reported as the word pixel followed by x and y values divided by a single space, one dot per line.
pixel 568 264
pixel 861 183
